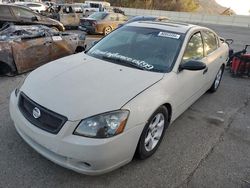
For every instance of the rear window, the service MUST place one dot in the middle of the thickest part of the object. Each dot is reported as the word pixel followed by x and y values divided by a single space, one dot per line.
pixel 5 12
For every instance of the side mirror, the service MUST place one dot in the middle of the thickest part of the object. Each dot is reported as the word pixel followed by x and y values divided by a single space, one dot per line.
pixel 192 65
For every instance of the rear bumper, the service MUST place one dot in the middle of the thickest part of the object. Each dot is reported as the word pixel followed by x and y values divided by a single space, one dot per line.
pixel 84 155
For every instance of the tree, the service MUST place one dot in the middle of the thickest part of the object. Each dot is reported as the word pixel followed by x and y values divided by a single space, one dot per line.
pixel 173 5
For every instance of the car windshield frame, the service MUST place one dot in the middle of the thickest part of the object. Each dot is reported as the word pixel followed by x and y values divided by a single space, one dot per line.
pixel 142 65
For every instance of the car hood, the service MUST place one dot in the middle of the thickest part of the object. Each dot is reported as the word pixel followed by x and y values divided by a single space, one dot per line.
pixel 80 86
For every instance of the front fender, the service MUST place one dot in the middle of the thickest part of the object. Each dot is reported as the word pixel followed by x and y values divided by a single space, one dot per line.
pixel 146 103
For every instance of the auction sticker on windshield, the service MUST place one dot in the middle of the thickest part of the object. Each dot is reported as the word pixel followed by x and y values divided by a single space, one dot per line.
pixel 169 35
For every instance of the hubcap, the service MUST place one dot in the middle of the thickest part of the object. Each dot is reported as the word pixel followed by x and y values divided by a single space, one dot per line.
pixel 154 132
pixel 217 79
pixel 107 30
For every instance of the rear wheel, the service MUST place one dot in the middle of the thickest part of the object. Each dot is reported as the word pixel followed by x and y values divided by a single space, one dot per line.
pixel 217 80
pixel 107 30
pixel 55 29
pixel 153 133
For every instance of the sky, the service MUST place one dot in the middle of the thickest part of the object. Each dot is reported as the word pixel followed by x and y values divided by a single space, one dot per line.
pixel 241 7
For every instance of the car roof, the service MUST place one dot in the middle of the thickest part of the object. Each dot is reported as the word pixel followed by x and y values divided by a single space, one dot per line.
pixel 164 25
pixel 16 5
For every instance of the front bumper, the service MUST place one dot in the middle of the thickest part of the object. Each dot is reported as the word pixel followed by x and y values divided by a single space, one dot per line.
pixel 84 155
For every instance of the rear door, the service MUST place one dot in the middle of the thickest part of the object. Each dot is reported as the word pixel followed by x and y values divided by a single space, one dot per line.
pixel 31 53
pixel 213 54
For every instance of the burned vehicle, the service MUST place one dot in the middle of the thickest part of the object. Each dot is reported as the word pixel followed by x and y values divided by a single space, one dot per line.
pixel 24 48
pixel 101 22
pixel 70 14
pixel 21 15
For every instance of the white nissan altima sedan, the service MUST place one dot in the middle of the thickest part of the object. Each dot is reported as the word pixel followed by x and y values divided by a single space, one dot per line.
pixel 92 112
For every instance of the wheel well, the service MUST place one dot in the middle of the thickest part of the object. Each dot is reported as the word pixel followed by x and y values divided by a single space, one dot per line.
pixel 169 107
pixel 4 68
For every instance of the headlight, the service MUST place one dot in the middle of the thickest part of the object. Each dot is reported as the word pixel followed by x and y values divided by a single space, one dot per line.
pixel 104 125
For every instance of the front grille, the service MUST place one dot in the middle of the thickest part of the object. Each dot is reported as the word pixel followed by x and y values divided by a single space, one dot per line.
pixel 48 120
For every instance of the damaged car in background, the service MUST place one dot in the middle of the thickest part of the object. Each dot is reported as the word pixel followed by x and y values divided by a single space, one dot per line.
pixel 21 15
pixel 24 48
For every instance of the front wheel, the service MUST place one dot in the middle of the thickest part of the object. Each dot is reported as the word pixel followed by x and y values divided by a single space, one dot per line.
pixel 152 133
pixel 217 80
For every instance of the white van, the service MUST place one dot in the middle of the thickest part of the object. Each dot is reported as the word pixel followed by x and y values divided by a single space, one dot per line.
pixel 95 6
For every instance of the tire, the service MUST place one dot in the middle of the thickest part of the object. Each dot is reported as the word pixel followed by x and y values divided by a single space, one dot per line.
pixel 107 30
pixel 55 29
pixel 148 143
pixel 217 80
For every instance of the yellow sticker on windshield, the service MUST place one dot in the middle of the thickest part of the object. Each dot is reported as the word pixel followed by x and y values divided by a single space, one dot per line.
pixel 169 35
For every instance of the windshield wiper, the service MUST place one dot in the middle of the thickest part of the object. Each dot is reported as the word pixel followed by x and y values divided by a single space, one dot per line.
pixel 123 62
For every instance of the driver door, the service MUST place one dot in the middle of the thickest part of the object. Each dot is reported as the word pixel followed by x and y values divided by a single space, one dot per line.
pixel 191 83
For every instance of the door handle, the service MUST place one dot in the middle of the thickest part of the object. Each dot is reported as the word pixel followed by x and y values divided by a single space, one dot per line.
pixel 205 71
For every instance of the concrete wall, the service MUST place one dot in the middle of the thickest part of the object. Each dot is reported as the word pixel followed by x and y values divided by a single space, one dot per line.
pixel 241 21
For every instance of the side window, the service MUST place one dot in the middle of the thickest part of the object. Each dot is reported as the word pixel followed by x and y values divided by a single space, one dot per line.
pixel 68 9
pixel 23 13
pixel 210 42
pixel 5 12
pixel 194 50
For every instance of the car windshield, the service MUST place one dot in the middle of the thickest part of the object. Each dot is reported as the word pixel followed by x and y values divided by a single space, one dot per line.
pixel 143 48
pixel 98 15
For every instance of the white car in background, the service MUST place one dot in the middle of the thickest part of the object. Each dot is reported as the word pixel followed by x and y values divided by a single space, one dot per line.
pixel 93 111
pixel 37 7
